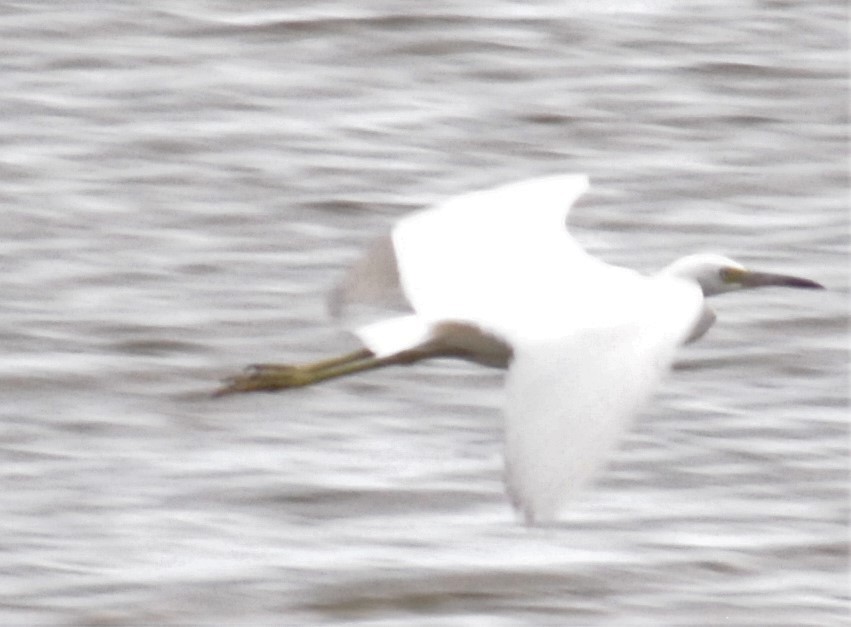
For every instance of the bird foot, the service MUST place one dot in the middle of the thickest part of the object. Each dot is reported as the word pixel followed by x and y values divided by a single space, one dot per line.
pixel 266 378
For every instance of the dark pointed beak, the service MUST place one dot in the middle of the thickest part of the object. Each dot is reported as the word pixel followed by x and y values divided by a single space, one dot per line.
pixel 765 279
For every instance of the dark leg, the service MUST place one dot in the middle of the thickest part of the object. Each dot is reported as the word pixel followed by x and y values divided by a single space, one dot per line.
pixel 272 377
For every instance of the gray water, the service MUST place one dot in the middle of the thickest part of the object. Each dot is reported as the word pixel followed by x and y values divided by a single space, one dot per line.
pixel 181 183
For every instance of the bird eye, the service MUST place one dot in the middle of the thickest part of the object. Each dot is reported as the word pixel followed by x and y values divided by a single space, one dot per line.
pixel 731 275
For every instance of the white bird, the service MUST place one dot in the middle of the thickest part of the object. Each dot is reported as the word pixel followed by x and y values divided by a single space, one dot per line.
pixel 494 277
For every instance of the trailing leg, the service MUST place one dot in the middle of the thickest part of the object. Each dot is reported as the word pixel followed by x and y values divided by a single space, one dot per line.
pixel 273 377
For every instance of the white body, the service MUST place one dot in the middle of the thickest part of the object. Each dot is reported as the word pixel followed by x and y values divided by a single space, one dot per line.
pixel 588 341
pixel 493 277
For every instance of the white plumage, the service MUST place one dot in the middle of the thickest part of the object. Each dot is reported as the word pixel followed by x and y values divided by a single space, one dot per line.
pixel 589 340
pixel 494 277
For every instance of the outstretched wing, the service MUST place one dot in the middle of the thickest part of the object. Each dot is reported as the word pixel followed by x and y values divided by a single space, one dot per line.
pixel 477 241
pixel 571 396
pixel 498 257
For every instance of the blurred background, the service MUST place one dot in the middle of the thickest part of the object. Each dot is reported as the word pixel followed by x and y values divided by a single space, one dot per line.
pixel 182 182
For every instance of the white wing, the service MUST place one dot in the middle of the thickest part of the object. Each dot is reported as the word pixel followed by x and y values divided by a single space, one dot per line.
pixel 570 397
pixel 501 258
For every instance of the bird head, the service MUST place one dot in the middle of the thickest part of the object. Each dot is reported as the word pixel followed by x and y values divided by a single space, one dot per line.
pixel 716 274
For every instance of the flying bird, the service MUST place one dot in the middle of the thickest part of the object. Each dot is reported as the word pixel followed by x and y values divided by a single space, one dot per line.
pixel 494 277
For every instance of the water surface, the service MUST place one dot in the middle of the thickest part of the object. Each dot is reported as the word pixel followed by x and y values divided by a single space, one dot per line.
pixel 182 183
